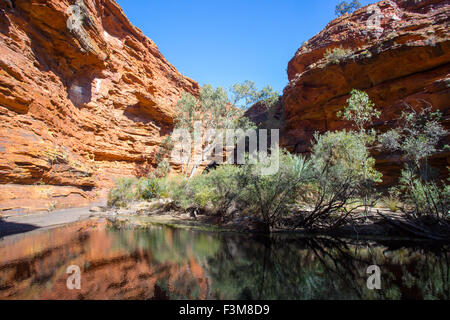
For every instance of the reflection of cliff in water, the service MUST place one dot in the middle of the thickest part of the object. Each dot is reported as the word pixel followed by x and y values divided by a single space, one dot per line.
pixel 165 263
pixel 114 265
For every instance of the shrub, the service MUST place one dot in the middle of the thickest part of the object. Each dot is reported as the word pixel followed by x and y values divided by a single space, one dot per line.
pixel 342 170
pixel 176 188
pixel 269 197
pixel 122 193
pixel 344 7
pixel 392 202
pixel 360 110
pixel 417 137
pixel 216 189
pixel 222 185
pixel 147 189
pixel 337 55
pixel 130 189
pixel 162 169
pixel 424 197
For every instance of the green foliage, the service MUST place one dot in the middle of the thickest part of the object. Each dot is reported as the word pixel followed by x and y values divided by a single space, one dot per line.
pixel 392 202
pixel 162 169
pixel 337 55
pixel 211 108
pixel 269 197
pixel 244 95
pixel 342 155
pixel 345 7
pixel 131 189
pixel 147 189
pixel 417 137
pixel 360 110
pixel 343 170
pixel 223 185
pixel 122 193
pixel 424 197
pixel 215 189
pixel 213 111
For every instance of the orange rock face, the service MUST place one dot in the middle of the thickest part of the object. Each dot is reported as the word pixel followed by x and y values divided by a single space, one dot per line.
pixel 399 52
pixel 84 97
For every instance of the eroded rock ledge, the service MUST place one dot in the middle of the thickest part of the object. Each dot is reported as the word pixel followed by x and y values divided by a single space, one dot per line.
pixel 80 102
pixel 404 59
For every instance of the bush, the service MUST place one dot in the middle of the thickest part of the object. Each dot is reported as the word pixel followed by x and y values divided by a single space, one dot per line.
pixel 215 189
pixel 131 189
pixel 147 189
pixel 342 171
pixel 269 197
pixel 392 202
pixel 344 7
pixel 337 55
pixel 417 137
pixel 222 185
pixel 122 193
pixel 424 198
pixel 360 110
pixel 176 188
pixel 162 169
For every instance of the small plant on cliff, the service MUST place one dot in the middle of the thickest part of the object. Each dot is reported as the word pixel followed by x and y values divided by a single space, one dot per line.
pixel 337 55
pixel 345 7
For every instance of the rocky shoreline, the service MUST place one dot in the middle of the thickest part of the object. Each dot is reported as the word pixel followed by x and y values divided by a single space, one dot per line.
pixel 141 215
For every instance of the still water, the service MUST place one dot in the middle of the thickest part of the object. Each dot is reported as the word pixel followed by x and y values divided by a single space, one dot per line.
pixel 167 263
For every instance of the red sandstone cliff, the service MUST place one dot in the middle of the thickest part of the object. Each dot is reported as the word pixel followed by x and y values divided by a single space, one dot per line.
pixel 404 58
pixel 80 102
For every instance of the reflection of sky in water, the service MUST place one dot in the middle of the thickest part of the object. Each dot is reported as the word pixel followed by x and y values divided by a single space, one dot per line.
pixel 165 263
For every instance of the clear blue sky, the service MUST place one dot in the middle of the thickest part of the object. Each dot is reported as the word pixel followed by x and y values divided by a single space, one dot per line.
pixel 225 42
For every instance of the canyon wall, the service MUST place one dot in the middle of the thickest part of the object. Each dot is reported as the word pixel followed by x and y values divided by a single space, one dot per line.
pixel 398 52
pixel 84 97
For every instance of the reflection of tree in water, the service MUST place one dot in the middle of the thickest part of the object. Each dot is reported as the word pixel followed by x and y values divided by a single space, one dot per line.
pixel 287 268
pixel 166 263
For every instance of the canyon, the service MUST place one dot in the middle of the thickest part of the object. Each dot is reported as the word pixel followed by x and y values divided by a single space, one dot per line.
pixel 397 51
pixel 86 97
